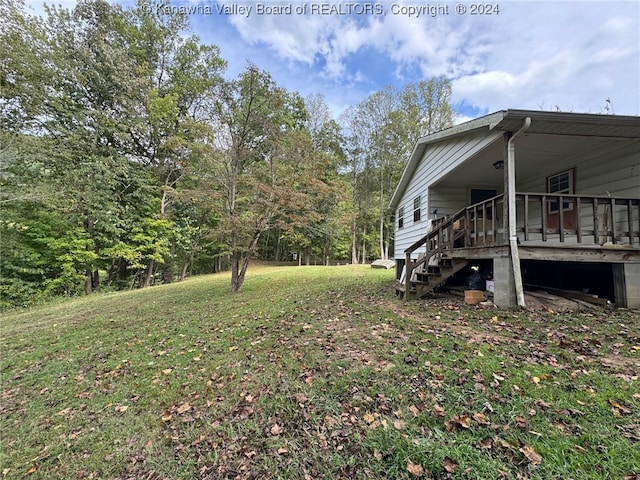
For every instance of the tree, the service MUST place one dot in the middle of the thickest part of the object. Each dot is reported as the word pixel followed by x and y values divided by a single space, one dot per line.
pixel 381 132
pixel 258 143
pixel 181 77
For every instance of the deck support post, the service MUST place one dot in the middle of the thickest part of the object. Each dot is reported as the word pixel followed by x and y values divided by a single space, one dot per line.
pixel 626 284
pixel 505 287
pixel 510 187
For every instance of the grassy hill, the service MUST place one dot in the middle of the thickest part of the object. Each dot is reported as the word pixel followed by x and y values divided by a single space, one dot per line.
pixel 315 372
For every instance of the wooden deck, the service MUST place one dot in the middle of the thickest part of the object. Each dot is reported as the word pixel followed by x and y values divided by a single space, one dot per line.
pixel 556 227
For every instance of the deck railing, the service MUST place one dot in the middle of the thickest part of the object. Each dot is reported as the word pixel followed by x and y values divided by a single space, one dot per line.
pixel 549 218
pixel 583 219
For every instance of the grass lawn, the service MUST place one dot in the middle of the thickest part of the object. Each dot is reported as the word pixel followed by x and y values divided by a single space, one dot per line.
pixel 315 372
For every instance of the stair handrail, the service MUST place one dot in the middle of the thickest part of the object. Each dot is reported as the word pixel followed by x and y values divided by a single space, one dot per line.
pixel 437 232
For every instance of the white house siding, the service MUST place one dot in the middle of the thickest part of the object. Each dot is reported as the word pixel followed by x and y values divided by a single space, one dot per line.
pixel 614 170
pixel 448 200
pixel 438 160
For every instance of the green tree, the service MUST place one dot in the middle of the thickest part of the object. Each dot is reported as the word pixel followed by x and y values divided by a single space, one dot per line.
pixel 180 78
pixel 381 132
pixel 258 145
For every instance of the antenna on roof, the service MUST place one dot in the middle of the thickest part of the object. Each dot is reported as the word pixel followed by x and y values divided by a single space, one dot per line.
pixel 609 106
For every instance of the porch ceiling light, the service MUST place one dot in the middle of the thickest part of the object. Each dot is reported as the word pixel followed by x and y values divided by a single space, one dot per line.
pixel 499 165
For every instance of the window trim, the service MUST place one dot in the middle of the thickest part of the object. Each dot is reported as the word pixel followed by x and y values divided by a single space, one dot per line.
pixel 400 218
pixel 417 209
pixel 552 206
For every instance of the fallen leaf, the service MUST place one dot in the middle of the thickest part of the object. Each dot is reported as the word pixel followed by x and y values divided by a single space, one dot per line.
pixel 368 417
pixel 166 418
pixel 521 421
pixel 462 420
pixel 414 410
pixel 283 451
pixel 399 424
pixel 415 469
pixel 486 444
pixel 533 456
pixel 449 465
pixel 481 418
pixel 122 408
pixel 377 455
pixel 438 410
pixel 276 429
pixel 184 408
pixel 542 404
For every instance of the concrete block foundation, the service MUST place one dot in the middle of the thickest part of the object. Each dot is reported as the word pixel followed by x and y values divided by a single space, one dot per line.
pixel 626 284
pixel 505 293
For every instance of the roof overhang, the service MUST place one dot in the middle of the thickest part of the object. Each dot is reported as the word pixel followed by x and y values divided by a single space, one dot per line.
pixel 547 123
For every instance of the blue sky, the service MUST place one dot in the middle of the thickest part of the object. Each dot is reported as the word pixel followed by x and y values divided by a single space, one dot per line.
pixel 567 55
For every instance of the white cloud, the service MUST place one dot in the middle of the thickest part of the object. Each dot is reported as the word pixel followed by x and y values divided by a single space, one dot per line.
pixel 565 60
pixel 530 55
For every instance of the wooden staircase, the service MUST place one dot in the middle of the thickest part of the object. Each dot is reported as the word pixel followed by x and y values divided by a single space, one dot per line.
pixel 427 277
pixel 434 267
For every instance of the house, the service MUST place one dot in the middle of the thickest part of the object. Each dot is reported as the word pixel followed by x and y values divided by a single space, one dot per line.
pixel 545 198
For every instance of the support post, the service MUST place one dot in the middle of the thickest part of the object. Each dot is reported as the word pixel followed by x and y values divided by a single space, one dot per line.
pixel 407 276
pixel 626 284
pixel 505 289
pixel 510 184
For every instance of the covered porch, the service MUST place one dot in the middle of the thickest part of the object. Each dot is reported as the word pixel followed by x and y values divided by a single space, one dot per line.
pixel 606 230
pixel 537 190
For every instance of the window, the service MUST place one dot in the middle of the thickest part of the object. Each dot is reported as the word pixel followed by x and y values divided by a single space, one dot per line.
pixel 560 183
pixel 400 218
pixel 416 209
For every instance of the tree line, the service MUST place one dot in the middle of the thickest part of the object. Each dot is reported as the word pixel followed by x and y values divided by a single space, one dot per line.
pixel 127 158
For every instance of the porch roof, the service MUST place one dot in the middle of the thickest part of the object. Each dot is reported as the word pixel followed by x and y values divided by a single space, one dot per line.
pixel 579 125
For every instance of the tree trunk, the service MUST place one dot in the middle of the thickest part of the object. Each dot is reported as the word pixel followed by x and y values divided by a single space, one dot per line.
pixel 308 256
pixel 183 272
pixel 88 284
pixel 149 274
pixel 325 251
pixel 113 269
pixel 122 270
pixel 239 264
pixel 167 267
pixel 364 246
pixel 383 255
pixel 354 249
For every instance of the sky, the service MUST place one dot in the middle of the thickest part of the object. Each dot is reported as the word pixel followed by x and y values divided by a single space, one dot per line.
pixel 574 55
